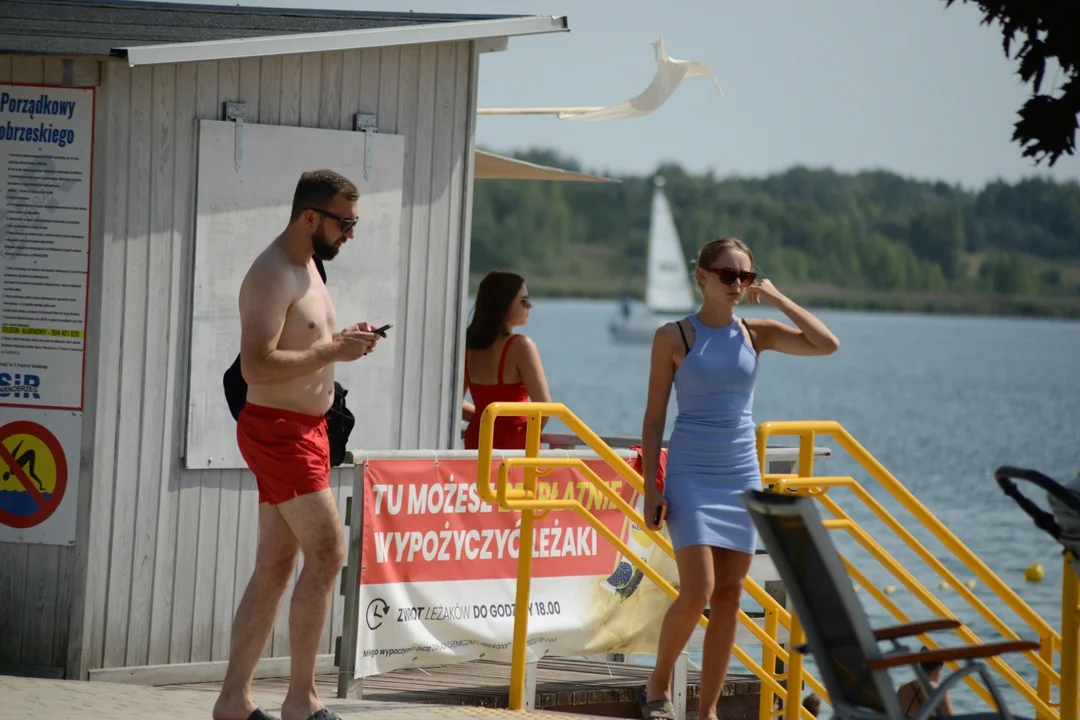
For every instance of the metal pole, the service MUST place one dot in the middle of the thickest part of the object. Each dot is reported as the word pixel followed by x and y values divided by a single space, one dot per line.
pixel 525 551
pixel 1070 643
pixel 349 686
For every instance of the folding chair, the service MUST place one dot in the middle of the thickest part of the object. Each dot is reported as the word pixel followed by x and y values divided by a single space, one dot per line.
pixel 845 648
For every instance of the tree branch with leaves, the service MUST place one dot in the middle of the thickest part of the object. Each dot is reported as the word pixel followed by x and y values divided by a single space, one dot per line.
pixel 1050 33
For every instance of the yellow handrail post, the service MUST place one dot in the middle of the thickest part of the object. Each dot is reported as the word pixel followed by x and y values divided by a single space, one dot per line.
pixel 795 637
pixel 793 703
pixel 806 454
pixel 519 649
pixel 1045 687
pixel 521 613
pixel 1070 643
pixel 767 699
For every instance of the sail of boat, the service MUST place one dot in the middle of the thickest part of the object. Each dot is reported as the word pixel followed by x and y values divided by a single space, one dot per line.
pixel 668 288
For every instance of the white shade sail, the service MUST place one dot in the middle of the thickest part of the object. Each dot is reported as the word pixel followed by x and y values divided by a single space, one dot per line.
pixel 490 166
pixel 669 74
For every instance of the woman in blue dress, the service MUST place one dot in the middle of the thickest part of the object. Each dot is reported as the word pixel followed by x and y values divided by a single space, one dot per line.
pixel 712 359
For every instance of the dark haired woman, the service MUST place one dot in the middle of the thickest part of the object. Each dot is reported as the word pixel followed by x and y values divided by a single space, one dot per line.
pixel 711 357
pixel 501 365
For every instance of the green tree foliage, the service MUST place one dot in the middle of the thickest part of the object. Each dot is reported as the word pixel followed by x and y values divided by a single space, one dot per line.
pixel 1042 33
pixel 1008 274
pixel 873 231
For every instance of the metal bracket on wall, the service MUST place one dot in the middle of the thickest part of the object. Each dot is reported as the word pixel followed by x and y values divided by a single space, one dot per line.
pixel 237 111
pixel 366 125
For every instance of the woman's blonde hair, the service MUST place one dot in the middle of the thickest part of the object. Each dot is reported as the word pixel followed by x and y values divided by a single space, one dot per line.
pixel 714 247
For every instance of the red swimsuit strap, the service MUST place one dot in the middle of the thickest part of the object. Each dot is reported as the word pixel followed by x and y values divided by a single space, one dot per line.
pixel 502 358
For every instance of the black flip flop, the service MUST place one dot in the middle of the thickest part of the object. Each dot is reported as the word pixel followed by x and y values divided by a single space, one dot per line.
pixel 260 714
pixel 661 709
pixel 325 714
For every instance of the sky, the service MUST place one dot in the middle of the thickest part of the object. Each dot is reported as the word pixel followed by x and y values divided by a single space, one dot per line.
pixel 903 85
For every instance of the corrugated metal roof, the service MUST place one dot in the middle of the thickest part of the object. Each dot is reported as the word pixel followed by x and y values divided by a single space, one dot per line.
pixel 72 27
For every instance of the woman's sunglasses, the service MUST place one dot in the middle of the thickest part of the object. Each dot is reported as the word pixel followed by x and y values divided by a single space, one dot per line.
pixel 729 276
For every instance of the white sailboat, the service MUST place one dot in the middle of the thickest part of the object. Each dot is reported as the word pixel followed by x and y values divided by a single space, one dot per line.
pixel 669 293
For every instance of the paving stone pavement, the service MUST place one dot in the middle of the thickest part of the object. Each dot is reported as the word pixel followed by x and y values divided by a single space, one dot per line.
pixel 82 700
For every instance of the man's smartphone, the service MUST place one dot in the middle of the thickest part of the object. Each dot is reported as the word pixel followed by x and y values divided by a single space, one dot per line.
pixel 381 332
pixel 659 516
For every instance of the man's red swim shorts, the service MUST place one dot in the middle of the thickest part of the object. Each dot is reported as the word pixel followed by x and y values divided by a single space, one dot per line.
pixel 289 452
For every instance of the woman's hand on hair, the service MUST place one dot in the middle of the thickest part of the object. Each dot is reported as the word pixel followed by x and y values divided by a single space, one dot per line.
pixel 810 336
pixel 764 290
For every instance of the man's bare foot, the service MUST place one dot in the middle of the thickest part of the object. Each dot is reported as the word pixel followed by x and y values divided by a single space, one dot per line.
pixel 234 707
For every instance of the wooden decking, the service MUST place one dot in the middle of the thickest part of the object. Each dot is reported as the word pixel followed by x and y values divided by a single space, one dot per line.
pixel 562 684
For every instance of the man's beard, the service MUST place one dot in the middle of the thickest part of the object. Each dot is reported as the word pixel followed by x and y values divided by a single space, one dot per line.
pixel 324 249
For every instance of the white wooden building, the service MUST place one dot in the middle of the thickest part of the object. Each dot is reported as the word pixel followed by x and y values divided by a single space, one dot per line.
pixel 144 559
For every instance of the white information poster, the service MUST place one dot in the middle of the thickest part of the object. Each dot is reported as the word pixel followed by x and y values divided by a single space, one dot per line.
pixel 46 144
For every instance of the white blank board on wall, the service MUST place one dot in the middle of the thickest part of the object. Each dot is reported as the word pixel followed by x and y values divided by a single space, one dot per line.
pixel 240 211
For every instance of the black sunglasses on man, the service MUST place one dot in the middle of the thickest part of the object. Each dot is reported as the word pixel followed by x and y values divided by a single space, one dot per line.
pixel 347 224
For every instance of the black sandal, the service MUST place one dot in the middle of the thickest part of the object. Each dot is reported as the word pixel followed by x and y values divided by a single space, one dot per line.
pixel 325 714
pixel 662 709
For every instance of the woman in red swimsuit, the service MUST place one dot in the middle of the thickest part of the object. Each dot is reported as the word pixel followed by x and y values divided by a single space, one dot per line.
pixel 501 366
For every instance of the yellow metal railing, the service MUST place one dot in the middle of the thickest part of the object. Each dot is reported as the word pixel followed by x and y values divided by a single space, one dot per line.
pixel 1070 643
pixel 531 506
pixel 526 499
pixel 1065 643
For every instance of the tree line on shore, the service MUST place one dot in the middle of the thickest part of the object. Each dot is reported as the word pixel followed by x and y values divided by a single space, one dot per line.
pixel 873 231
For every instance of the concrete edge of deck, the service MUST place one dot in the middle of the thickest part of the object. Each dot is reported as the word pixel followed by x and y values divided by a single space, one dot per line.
pixel 80 700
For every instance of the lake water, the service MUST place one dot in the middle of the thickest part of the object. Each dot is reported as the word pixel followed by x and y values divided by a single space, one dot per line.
pixel 940 401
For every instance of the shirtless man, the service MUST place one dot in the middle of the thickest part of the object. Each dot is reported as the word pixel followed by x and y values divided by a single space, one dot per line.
pixel 912 695
pixel 288 347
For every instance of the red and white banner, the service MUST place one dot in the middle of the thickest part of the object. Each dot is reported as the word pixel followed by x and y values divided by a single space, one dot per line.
pixel 439 570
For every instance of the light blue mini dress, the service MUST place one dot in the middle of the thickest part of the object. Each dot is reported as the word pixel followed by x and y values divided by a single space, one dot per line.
pixel 712 453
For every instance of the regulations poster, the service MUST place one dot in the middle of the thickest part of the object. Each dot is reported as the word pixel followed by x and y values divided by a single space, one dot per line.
pixel 439 570
pixel 46 143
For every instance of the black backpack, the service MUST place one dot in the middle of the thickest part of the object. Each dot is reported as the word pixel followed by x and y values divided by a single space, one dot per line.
pixel 339 421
